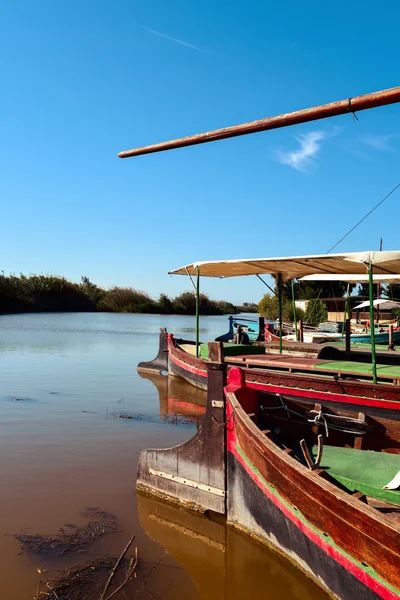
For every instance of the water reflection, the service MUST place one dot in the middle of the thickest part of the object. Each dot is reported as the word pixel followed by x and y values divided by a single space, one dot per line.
pixel 177 397
pixel 222 562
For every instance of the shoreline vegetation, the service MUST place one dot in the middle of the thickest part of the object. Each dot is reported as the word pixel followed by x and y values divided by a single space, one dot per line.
pixel 52 293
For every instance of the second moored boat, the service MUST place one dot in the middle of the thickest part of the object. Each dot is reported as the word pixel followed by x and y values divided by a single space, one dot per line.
pixel 368 381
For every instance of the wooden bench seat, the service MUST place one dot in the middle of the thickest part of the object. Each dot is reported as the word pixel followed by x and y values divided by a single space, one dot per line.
pixel 362 470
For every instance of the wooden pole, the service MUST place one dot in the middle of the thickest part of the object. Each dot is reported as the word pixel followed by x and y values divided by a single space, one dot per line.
pixel 391 342
pixel 197 309
pixel 350 105
pixel 378 291
pixel 301 333
pixel 261 327
pixel 348 339
pixel 280 310
pixel 294 311
pixel 371 318
pixel 346 309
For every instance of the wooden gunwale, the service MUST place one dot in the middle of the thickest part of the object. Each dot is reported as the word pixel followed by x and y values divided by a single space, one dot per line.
pixel 348 391
pixel 359 530
pixel 302 366
pixel 345 389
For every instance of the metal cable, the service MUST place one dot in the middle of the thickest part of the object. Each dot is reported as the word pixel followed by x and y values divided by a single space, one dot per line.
pixel 365 217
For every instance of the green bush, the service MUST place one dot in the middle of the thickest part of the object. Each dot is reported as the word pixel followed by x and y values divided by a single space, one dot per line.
pixel 316 312
pixel 165 305
pixel 49 293
pixel 119 299
pixel 44 293
pixel 225 308
pixel 268 307
pixel 185 304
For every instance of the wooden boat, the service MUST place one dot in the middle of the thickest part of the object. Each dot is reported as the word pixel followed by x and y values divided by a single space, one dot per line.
pixel 259 330
pixel 309 337
pixel 381 337
pixel 367 381
pixel 328 375
pixel 250 326
pixel 255 460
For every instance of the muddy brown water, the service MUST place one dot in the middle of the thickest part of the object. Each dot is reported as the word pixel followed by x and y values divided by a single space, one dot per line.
pixel 63 377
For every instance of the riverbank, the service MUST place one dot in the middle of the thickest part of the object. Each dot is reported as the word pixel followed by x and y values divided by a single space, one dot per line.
pixel 51 293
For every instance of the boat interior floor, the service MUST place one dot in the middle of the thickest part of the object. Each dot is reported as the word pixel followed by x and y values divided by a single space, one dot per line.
pixel 189 348
pixel 357 452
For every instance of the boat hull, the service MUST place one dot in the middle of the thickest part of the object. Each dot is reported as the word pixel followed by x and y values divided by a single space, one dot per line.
pixel 254 512
pixel 191 368
pixel 380 337
pixel 341 542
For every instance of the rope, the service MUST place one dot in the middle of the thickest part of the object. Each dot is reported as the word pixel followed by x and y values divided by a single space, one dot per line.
pixel 319 419
pixel 350 109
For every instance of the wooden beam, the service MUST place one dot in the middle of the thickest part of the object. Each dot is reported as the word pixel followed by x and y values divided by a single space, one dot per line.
pixel 333 109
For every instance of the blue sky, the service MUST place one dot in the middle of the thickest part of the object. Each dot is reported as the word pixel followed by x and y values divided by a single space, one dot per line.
pixel 82 81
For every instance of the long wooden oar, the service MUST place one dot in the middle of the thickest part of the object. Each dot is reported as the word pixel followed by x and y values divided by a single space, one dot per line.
pixel 351 105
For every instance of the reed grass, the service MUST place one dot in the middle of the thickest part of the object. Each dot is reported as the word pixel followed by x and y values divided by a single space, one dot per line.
pixel 53 293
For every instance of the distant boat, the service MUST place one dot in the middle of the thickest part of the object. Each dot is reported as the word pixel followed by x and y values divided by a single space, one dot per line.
pixel 249 326
pixel 319 337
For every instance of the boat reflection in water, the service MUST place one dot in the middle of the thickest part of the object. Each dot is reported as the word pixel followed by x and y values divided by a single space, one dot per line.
pixel 179 401
pixel 222 563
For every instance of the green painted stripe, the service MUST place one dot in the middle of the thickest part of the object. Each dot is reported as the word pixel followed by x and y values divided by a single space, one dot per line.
pixel 325 538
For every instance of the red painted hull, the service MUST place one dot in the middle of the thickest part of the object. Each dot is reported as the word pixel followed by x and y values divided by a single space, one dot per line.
pixel 348 546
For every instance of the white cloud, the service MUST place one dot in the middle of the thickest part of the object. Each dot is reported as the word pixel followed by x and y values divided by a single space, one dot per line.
pixel 170 38
pixel 302 158
pixel 379 142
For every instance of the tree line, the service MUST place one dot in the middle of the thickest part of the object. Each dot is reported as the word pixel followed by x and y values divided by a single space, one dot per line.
pixel 51 293
pixel 315 292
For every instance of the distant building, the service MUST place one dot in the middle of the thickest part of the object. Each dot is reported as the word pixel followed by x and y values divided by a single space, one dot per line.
pixel 336 306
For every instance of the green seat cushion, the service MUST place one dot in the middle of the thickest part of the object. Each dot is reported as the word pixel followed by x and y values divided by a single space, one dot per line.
pixel 362 470
pixel 233 349
pixel 344 366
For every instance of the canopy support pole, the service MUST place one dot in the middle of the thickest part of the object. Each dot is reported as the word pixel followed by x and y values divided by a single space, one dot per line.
pixel 294 311
pixel 197 309
pixel 371 318
pixel 280 310
pixel 378 291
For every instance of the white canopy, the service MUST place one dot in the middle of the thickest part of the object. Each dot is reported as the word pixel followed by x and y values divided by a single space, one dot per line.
pixel 298 266
pixel 382 303
pixel 353 278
